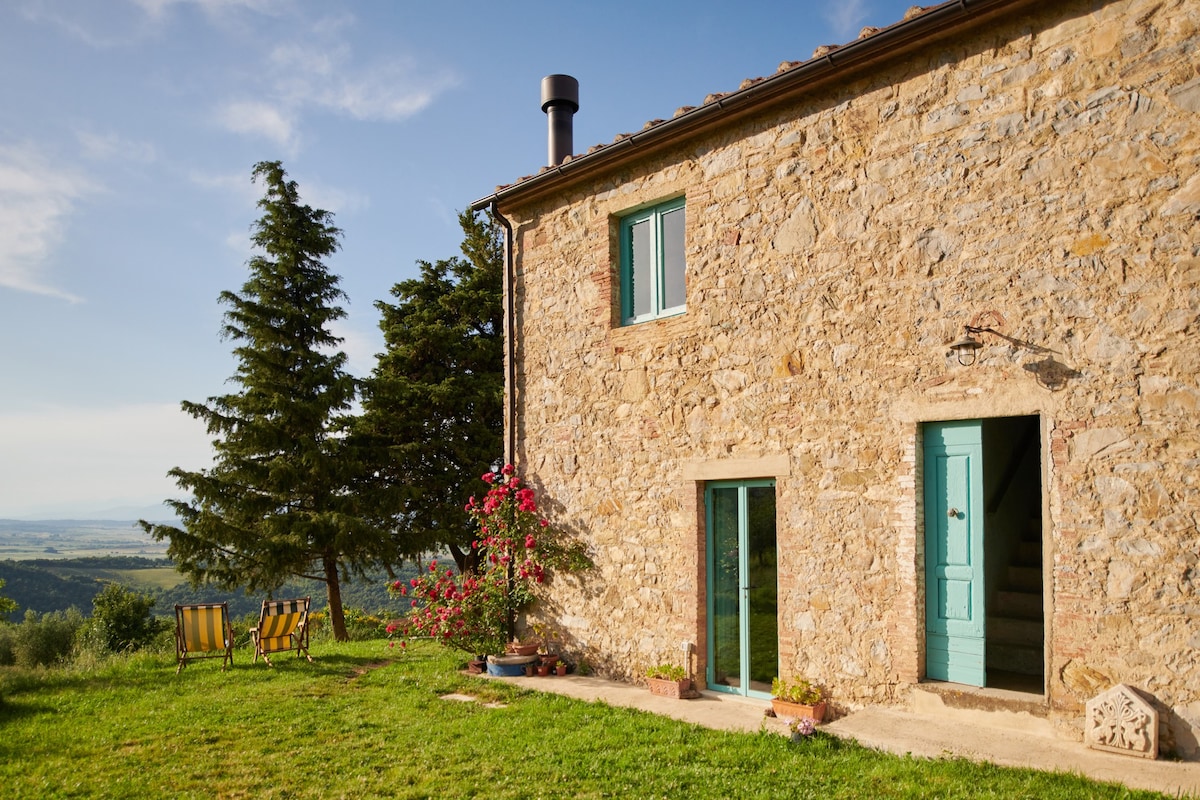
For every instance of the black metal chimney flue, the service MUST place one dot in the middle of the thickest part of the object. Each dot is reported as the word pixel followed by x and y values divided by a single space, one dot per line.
pixel 560 101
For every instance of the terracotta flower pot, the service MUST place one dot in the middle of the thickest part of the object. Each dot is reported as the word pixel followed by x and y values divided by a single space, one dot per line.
pixel 562 668
pixel 543 671
pixel 788 711
pixel 667 688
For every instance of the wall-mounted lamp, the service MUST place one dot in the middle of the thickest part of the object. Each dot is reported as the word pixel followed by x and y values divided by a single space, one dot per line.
pixel 967 348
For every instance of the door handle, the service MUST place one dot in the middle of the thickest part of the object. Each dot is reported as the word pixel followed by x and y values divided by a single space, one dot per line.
pixel 953 513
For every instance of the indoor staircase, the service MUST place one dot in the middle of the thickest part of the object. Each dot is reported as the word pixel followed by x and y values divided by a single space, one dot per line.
pixel 1015 624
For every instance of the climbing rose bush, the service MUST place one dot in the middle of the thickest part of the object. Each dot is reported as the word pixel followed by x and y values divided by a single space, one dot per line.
pixel 475 612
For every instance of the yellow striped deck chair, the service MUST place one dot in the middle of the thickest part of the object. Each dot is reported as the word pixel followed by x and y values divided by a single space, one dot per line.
pixel 282 626
pixel 203 630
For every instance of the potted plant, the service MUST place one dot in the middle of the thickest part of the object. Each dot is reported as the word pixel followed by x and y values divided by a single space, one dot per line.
pixel 668 680
pixel 798 699
pixel 548 635
pixel 519 648
pixel 561 668
pixel 802 729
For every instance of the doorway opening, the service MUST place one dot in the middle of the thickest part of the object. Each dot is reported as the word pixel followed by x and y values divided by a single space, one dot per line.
pixel 984 582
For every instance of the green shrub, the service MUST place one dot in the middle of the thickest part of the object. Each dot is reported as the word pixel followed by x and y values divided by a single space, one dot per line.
pixel 361 626
pixel 8 644
pixel 46 640
pixel 7 604
pixel 799 691
pixel 666 672
pixel 121 619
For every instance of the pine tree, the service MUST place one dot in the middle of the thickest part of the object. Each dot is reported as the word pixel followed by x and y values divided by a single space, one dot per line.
pixel 432 419
pixel 275 502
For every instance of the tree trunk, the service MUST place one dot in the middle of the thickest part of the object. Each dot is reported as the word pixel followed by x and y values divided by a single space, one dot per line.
pixel 337 617
pixel 467 561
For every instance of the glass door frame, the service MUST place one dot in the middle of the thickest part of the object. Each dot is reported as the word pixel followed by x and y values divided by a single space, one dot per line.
pixel 744 687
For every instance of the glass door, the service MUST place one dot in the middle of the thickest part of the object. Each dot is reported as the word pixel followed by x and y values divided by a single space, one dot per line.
pixel 743 632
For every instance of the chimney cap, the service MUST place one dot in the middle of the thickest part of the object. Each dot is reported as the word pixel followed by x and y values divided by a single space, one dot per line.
pixel 560 89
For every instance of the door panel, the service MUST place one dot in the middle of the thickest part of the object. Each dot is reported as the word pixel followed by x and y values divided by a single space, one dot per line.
pixel 954 585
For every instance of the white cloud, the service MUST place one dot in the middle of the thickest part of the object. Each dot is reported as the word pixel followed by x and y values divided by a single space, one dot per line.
pixel 36 200
pixel 259 118
pixel 111 146
pixel 846 18
pixel 301 77
pixel 159 8
pixel 388 90
pixel 79 457
pixel 331 198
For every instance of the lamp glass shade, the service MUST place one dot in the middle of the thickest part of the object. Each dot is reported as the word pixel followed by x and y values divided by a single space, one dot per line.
pixel 965 349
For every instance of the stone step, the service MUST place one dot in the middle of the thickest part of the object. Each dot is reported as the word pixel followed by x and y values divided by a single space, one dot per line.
pixel 1024 659
pixel 1020 605
pixel 997 709
pixel 1025 579
pixel 1015 630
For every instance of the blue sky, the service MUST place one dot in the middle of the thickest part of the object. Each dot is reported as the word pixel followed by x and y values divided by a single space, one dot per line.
pixel 129 128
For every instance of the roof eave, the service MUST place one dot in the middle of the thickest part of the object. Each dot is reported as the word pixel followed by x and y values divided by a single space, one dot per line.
pixel 884 45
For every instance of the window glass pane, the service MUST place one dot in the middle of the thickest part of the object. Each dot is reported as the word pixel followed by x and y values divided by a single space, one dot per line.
pixel 641 268
pixel 764 587
pixel 725 563
pixel 673 293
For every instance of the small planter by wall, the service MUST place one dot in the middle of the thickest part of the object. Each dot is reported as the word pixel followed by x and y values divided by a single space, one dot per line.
pixel 789 711
pixel 681 689
pixel 561 669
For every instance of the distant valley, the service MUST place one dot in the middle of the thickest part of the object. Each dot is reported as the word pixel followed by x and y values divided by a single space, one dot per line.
pixel 21 540
pixel 53 565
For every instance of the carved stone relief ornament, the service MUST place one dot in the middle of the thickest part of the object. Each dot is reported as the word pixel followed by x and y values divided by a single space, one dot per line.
pixel 1120 721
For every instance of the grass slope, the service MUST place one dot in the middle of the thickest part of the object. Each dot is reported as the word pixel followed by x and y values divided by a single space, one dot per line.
pixel 362 723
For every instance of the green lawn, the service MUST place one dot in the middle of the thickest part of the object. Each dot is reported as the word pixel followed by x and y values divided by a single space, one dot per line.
pixel 361 723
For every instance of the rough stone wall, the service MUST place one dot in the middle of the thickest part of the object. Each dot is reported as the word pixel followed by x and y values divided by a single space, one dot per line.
pixel 1043 177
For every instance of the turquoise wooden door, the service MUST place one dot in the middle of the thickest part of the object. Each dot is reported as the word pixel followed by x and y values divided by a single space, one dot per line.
pixel 954 590
pixel 743 609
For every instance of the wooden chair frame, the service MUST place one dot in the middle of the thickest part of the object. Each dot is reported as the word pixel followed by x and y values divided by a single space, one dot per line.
pixel 203 630
pixel 282 627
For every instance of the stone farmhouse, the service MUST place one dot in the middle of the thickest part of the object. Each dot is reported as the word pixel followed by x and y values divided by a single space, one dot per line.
pixel 881 371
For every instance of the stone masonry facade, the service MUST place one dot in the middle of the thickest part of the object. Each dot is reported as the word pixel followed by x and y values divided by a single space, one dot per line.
pixel 1038 175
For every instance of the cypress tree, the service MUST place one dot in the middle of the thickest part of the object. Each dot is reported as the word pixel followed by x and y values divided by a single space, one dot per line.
pixel 275 502
pixel 432 420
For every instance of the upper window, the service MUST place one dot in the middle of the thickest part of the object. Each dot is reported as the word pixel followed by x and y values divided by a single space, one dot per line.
pixel 652 263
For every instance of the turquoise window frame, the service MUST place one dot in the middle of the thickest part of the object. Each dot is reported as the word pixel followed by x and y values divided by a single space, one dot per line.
pixel 664 251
